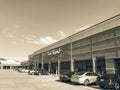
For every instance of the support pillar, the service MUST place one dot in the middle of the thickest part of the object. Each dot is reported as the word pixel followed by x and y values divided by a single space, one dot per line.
pixel 42 63
pixel 10 67
pixel 1 67
pixel 49 68
pixel 58 69
pixel 36 66
pixel 94 64
pixel 72 65
pixel 71 56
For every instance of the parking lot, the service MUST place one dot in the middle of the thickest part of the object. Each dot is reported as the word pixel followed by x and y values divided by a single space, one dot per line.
pixel 13 80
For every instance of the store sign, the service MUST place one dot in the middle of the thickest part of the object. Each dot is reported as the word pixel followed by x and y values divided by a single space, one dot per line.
pixel 54 51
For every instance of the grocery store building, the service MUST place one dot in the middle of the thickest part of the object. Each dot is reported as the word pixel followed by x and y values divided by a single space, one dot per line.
pixel 96 48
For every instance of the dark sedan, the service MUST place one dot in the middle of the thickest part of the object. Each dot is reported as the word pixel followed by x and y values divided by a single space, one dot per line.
pixel 43 72
pixel 109 81
pixel 66 76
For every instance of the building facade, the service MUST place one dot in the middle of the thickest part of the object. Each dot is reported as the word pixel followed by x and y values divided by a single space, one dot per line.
pixel 96 48
pixel 6 64
pixel 24 64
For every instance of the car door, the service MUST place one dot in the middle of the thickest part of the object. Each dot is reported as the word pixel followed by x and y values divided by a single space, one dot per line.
pixel 94 77
pixel 91 77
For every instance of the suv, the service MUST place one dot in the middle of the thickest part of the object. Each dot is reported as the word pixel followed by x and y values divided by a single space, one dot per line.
pixel 43 72
pixel 109 81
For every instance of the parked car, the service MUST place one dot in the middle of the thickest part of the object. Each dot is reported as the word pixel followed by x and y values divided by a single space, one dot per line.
pixel 43 72
pixel 85 78
pixel 66 76
pixel 23 70
pixel 33 72
pixel 19 69
pixel 109 81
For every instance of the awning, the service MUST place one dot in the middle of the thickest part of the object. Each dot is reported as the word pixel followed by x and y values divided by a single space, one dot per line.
pixel 9 63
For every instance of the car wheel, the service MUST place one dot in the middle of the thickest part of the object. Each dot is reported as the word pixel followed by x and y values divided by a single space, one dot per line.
pixel 86 82
pixel 116 86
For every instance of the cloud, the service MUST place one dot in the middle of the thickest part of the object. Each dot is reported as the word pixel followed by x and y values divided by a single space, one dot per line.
pixel 62 34
pixel 9 33
pixel 84 27
pixel 44 40
pixel 47 39
pixel 29 37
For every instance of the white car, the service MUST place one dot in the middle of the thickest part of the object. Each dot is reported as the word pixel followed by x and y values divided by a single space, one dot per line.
pixel 85 78
pixel 31 72
pixel 24 70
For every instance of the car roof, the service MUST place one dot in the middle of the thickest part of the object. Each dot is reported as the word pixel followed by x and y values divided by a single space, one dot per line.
pixel 84 72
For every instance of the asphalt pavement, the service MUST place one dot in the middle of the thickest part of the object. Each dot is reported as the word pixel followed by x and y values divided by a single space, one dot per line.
pixel 13 80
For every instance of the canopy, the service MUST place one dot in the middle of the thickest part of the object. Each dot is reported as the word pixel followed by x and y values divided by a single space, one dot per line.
pixel 9 63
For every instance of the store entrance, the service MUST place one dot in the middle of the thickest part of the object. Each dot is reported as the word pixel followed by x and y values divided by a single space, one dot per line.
pixel 64 66
pixel 54 66
pixel 46 66
pixel 101 66
pixel 83 65
pixel 117 66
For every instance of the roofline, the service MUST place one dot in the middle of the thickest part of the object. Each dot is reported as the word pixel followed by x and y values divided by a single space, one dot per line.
pixel 93 26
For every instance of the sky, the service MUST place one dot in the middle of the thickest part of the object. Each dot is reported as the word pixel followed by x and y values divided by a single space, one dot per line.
pixel 28 25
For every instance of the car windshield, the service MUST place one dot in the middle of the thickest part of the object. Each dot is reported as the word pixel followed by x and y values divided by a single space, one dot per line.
pixel 80 73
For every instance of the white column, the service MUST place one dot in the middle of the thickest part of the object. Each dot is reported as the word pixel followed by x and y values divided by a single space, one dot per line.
pixel 94 64
pixel 42 63
pixel 49 69
pixel 1 67
pixel 71 57
pixel 58 69
pixel 10 67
